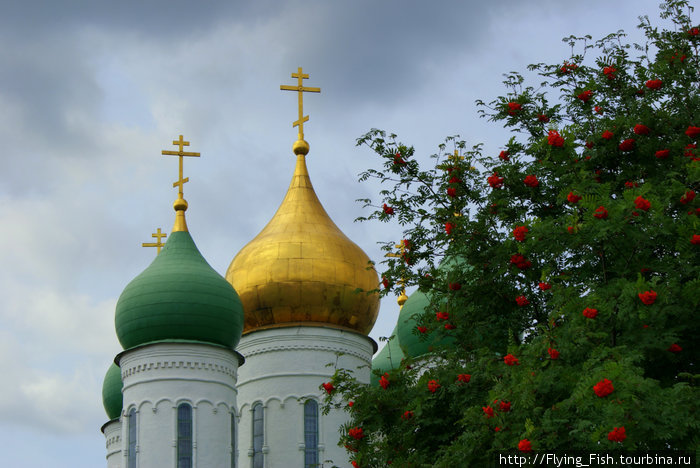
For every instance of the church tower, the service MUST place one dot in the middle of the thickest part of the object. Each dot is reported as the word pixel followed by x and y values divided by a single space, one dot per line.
pixel 172 399
pixel 112 429
pixel 298 281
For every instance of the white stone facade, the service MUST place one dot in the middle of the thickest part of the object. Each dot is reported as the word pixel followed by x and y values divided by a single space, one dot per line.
pixel 113 439
pixel 285 367
pixel 157 379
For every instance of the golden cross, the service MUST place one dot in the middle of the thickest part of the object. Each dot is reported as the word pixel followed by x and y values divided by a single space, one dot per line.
pixel 456 157
pixel 402 246
pixel 300 88
pixel 158 235
pixel 180 144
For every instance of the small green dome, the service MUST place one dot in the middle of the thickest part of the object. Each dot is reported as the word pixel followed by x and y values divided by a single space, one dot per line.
pixel 112 392
pixel 179 297
pixel 413 344
pixel 388 359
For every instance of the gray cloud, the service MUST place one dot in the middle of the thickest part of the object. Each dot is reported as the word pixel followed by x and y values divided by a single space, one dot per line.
pixel 91 92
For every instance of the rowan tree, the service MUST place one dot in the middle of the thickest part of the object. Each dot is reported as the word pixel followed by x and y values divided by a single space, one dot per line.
pixel 577 255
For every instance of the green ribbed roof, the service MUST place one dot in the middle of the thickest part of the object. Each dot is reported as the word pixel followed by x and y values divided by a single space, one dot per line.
pixel 179 296
pixel 112 392
pixel 413 344
pixel 388 359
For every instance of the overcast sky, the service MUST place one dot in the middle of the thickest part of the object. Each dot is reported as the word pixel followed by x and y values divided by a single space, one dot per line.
pixel 92 91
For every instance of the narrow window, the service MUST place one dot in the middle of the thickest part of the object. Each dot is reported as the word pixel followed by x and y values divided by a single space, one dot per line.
pixel 258 435
pixel 310 434
pixel 132 438
pixel 184 436
pixel 233 440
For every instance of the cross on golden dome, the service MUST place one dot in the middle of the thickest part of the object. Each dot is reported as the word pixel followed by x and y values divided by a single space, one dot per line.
pixel 402 246
pixel 301 89
pixel 181 143
pixel 158 244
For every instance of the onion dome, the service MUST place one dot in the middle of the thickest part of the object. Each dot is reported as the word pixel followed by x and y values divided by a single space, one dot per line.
pixel 388 359
pixel 179 297
pixel 112 392
pixel 411 342
pixel 302 270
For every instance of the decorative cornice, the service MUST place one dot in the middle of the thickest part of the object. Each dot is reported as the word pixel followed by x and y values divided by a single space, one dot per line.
pixel 116 439
pixel 338 337
pixel 190 348
pixel 178 364
pixel 308 347
pixel 115 420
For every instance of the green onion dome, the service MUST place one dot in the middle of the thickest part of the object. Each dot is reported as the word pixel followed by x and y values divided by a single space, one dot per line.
pixel 112 392
pixel 388 359
pixel 179 297
pixel 453 268
pixel 412 343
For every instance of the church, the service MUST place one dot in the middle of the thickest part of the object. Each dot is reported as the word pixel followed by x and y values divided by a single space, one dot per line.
pixel 227 371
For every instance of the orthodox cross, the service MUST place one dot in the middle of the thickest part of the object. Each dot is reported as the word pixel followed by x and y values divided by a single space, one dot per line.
pixel 452 161
pixel 180 144
pixel 402 249
pixel 300 88
pixel 401 253
pixel 158 235
pixel 402 246
pixel 455 158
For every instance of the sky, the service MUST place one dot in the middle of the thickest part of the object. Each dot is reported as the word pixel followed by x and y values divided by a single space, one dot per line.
pixel 91 92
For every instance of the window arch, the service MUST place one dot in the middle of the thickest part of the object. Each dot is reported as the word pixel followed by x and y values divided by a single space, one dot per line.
pixel 258 435
pixel 131 438
pixel 233 440
pixel 184 436
pixel 310 434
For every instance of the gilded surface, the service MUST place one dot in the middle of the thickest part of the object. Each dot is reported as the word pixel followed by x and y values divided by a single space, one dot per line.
pixel 300 89
pixel 158 243
pixel 401 300
pixel 301 269
pixel 180 204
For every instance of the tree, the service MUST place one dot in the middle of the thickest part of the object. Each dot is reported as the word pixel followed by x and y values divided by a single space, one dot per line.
pixel 566 269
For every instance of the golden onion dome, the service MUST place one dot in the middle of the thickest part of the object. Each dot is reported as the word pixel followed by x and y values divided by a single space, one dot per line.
pixel 301 269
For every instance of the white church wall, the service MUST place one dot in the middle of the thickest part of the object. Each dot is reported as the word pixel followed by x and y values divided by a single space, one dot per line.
pixel 284 367
pixel 157 379
pixel 213 426
pixel 113 439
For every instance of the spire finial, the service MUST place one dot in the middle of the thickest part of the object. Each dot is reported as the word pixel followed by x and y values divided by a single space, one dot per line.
pixel 401 254
pixel 180 205
pixel 158 244
pixel 300 88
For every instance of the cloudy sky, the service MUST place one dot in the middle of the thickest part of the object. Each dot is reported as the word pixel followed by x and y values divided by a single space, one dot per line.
pixel 92 91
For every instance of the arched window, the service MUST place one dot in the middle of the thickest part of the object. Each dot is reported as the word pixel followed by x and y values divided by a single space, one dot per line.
pixel 131 428
pixel 233 440
pixel 258 435
pixel 184 436
pixel 311 434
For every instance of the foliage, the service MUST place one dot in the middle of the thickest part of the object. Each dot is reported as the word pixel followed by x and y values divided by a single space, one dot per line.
pixel 601 171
